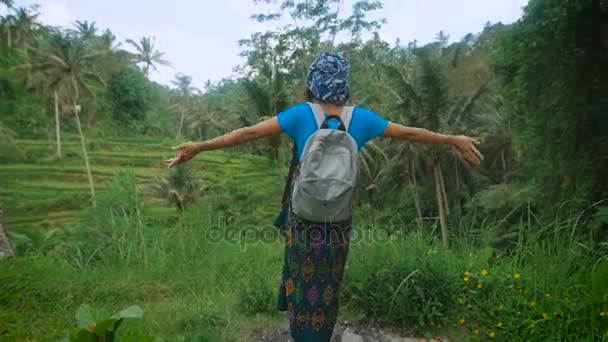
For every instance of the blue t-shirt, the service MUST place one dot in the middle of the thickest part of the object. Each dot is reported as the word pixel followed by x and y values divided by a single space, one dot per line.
pixel 299 123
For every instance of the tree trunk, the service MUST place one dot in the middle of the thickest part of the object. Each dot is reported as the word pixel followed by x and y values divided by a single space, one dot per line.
pixel 415 194
pixel 5 246
pixel 446 206
pixel 457 203
pixel 57 123
pixel 181 124
pixel 85 155
pixel 8 36
pixel 440 204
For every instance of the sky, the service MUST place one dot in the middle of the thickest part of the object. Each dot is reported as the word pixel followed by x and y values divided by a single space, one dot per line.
pixel 200 38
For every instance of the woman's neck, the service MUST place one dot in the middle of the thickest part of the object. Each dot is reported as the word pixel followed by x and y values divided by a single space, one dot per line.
pixel 331 108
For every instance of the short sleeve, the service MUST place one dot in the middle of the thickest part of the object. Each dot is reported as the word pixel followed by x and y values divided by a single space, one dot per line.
pixel 367 125
pixel 289 119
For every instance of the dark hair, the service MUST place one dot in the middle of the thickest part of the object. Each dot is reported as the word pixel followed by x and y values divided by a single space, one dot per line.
pixel 308 95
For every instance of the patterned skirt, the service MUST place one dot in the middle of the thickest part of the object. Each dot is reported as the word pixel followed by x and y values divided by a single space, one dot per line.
pixel 315 255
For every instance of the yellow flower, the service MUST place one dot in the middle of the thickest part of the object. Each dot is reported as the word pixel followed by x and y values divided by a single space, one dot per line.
pixel 532 303
pixel 467 273
pixel 548 295
pixel 499 324
pixel 477 332
pixel 460 301
pixel 461 321
pixel 466 279
pixel 480 285
pixel 492 334
pixel 517 276
pixel 545 315
pixel 603 313
pixel 501 307
pixel 484 272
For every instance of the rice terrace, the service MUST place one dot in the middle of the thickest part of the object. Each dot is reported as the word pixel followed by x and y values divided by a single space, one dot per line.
pixel 304 170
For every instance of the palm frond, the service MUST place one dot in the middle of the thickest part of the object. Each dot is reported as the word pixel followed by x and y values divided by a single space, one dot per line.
pixel 259 96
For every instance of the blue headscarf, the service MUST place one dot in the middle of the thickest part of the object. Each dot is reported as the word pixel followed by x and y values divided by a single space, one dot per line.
pixel 327 78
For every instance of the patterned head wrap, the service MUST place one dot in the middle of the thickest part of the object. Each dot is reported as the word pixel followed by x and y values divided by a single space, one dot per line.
pixel 327 78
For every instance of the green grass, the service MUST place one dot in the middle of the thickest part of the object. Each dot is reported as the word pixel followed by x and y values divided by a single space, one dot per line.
pixel 197 285
pixel 30 190
pixel 137 249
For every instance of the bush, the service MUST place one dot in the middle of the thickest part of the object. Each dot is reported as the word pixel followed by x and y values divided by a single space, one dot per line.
pixel 412 281
pixel 130 93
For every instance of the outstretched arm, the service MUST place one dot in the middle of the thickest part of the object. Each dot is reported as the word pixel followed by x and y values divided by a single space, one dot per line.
pixel 239 136
pixel 465 145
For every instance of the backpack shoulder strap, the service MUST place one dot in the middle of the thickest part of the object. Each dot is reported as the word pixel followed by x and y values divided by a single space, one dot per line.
pixel 347 116
pixel 318 113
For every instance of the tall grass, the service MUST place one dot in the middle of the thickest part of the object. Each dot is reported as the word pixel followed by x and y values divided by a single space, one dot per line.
pixel 551 284
pixel 199 278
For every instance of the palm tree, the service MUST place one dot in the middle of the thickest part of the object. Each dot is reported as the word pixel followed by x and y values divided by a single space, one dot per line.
pixel 67 65
pixel 22 24
pixel 7 20
pixel 422 94
pixel 7 23
pixel 267 94
pixel 180 187
pixel 85 29
pixel 147 55
pixel 183 100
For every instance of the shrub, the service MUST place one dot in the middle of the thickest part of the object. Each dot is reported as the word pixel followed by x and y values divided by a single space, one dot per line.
pixel 130 93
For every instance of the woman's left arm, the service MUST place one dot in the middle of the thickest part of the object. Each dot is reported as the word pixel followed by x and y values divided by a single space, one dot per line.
pixel 465 145
pixel 266 128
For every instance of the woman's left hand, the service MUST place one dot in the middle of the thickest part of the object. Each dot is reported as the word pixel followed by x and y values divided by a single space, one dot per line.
pixel 466 147
pixel 185 152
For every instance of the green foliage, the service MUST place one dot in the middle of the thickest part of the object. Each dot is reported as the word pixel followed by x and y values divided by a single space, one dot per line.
pixel 554 64
pixel 130 95
pixel 180 188
pixel 542 135
pixel 147 55
pixel 410 280
pixel 99 325
pixel 258 296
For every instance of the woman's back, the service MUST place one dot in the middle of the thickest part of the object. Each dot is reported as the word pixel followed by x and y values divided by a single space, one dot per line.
pixel 299 123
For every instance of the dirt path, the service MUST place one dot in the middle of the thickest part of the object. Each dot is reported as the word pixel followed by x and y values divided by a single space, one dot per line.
pixel 345 332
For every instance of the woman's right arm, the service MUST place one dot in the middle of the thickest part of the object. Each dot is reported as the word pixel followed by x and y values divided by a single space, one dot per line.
pixel 266 128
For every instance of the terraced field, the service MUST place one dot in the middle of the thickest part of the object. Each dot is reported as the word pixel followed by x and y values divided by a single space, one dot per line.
pixel 41 192
pixel 191 288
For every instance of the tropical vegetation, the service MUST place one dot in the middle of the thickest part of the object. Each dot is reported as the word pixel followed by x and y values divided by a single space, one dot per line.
pixel 513 250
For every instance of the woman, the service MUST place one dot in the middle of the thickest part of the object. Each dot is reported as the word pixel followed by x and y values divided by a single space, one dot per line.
pixel 315 253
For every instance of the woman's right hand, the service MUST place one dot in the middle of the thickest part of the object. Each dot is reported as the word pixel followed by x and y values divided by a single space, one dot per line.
pixel 184 152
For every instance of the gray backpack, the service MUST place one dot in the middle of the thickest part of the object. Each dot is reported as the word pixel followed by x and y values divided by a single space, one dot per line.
pixel 323 191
